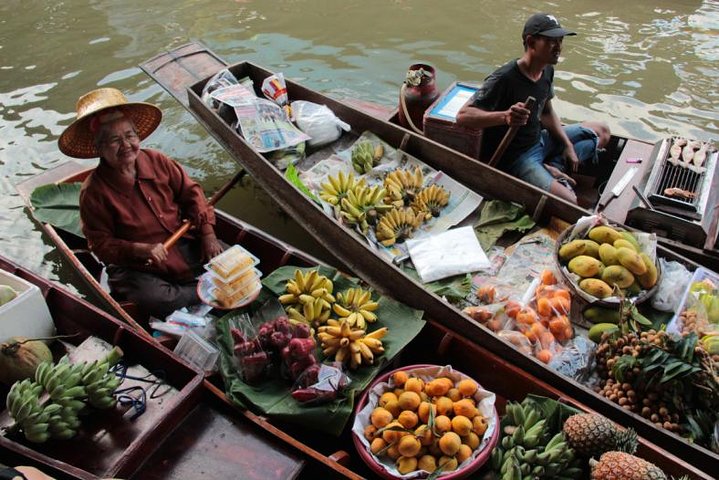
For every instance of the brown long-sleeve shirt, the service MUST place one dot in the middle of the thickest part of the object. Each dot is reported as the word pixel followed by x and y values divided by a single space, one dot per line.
pixel 117 214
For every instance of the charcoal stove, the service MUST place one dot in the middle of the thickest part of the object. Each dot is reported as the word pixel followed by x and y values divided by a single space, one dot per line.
pixel 682 194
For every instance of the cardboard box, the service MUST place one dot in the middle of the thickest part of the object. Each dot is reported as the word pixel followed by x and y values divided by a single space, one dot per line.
pixel 27 314
pixel 440 121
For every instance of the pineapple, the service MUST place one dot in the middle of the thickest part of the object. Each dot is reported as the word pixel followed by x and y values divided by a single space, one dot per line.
pixel 623 466
pixel 591 435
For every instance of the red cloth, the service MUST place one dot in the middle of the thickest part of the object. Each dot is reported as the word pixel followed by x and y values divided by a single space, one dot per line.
pixel 117 214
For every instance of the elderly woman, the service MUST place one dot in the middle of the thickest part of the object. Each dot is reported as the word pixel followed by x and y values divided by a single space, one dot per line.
pixel 134 200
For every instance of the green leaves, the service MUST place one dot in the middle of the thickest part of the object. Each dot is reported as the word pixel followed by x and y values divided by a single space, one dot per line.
pixel 58 205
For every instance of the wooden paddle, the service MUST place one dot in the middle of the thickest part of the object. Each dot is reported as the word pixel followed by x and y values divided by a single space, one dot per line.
pixel 509 136
pixel 186 225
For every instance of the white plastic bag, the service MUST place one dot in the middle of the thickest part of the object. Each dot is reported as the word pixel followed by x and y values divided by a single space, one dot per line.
pixel 448 253
pixel 317 121
pixel 672 286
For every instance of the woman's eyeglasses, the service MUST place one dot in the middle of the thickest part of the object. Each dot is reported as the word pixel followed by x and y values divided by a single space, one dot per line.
pixel 117 141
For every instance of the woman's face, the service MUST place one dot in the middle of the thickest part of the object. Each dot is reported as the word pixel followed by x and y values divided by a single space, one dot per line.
pixel 118 143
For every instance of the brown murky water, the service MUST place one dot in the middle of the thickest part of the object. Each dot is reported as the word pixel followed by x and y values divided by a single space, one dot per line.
pixel 647 68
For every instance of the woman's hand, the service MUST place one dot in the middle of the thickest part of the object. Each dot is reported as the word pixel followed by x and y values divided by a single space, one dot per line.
pixel 210 247
pixel 152 253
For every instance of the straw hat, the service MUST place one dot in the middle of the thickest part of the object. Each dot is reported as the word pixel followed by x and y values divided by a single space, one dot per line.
pixel 78 139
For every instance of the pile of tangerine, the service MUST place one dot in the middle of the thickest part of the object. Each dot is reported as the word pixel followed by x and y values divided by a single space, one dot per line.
pixel 403 429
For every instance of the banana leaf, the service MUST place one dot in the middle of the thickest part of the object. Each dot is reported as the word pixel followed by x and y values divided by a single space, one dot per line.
pixel 272 396
pixel 58 205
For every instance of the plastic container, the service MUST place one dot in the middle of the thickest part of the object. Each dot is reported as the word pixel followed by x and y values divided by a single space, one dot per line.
pixel 231 263
pixel 27 314
pixel 489 440
pixel 214 297
pixel 242 281
pixel 198 351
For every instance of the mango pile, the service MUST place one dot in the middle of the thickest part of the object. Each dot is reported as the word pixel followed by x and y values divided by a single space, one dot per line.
pixel 608 260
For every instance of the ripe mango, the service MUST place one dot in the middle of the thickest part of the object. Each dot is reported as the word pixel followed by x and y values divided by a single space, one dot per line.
pixel 601 315
pixel 631 259
pixel 585 266
pixel 592 248
pixel 596 332
pixel 625 243
pixel 648 279
pixel 604 234
pixel 596 287
pixel 617 275
pixel 629 236
pixel 572 249
pixel 608 254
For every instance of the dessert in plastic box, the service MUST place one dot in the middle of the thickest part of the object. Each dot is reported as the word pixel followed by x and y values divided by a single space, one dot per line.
pixel 239 298
pixel 245 282
pixel 231 263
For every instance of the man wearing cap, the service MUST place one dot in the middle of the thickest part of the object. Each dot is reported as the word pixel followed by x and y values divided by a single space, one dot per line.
pixel 542 151
pixel 134 200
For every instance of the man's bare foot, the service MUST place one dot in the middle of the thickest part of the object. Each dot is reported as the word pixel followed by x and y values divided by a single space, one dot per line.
pixel 557 173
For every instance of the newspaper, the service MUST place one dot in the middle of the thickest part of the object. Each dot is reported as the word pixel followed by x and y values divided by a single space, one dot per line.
pixel 234 95
pixel 462 201
pixel 265 126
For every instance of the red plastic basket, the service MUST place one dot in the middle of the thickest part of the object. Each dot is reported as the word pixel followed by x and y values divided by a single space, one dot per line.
pixel 373 463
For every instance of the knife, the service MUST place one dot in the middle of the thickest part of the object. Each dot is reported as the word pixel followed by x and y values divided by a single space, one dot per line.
pixel 618 189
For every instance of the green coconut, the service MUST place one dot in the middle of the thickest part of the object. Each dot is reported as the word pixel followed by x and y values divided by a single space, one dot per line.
pixel 20 357
pixel 7 293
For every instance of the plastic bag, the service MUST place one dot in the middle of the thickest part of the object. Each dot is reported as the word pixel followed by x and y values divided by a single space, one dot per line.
pixel 575 359
pixel 275 89
pixel 223 78
pixel 672 286
pixel 317 121
pixel 320 384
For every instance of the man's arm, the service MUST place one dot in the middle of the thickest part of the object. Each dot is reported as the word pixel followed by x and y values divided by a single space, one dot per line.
pixel 550 120
pixel 472 116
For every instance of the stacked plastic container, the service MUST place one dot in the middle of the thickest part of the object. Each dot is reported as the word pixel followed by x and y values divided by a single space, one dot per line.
pixel 233 278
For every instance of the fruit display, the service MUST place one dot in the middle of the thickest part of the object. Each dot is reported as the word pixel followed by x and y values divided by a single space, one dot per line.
pixel 308 298
pixel 363 206
pixel 49 406
pixel 396 226
pixel 425 419
pixel 356 307
pixel 337 187
pixel 539 328
pixel 403 186
pixel 350 345
pixel 606 263
pixel 365 156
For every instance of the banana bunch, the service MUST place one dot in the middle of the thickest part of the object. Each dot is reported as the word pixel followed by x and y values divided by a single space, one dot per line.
pixel 363 205
pixel 396 226
pixel 355 306
pixel 62 380
pixel 710 343
pixel 365 156
pixel 527 451
pixel 23 405
pixel 336 188
pixel 402 186
pixel 309 298
pixel 100 383
pixel 430 201
pixel 355 346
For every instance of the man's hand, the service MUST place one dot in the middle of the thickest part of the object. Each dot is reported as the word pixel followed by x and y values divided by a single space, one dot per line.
pixel 517 115
pixel 210 247
pixel 557 173
pixel 570 158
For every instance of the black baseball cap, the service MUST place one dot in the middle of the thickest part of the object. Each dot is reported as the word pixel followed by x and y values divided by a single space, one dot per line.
pixel 544 24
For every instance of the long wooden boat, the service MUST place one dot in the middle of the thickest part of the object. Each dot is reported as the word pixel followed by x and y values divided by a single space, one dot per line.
pixel 311 455
pixel 184 72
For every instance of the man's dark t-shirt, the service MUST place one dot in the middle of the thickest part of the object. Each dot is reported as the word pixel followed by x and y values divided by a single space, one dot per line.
pixel 503 88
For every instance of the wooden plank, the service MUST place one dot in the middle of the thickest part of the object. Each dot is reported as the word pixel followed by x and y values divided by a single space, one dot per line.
pixel 633 150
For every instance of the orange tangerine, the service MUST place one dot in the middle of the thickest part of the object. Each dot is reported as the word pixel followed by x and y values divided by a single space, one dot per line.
pixel 398 392
pixel 547 277
pixel 408 419
pixel 463 453
pixel 425 435
pixel 461 425
pixel 447 464
pixel 393 408
pixel 495 324
pixel 454 394
pixel 465 407
pixel 479 425
pixel 409 446
pixel 409 400
pixel 392 452
pixel 377 445
pixel 414 384
pixel 438 387
pixel 406 465
pixel 527 316
pixel 427 462
pixel 544 355
pixel 423 411
pixel 386 397
pixel 544 307
pixel 472 440
pixel 442 424
pixel 558 324
pixel 449 443
pixel 467 387
pixel 512 308
pixel 399 378
pixel 562 293
pixel 444 405
pixel 390 435
pixel 561 305
pixel 380 417
pixel 370 432
pixel 546 339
